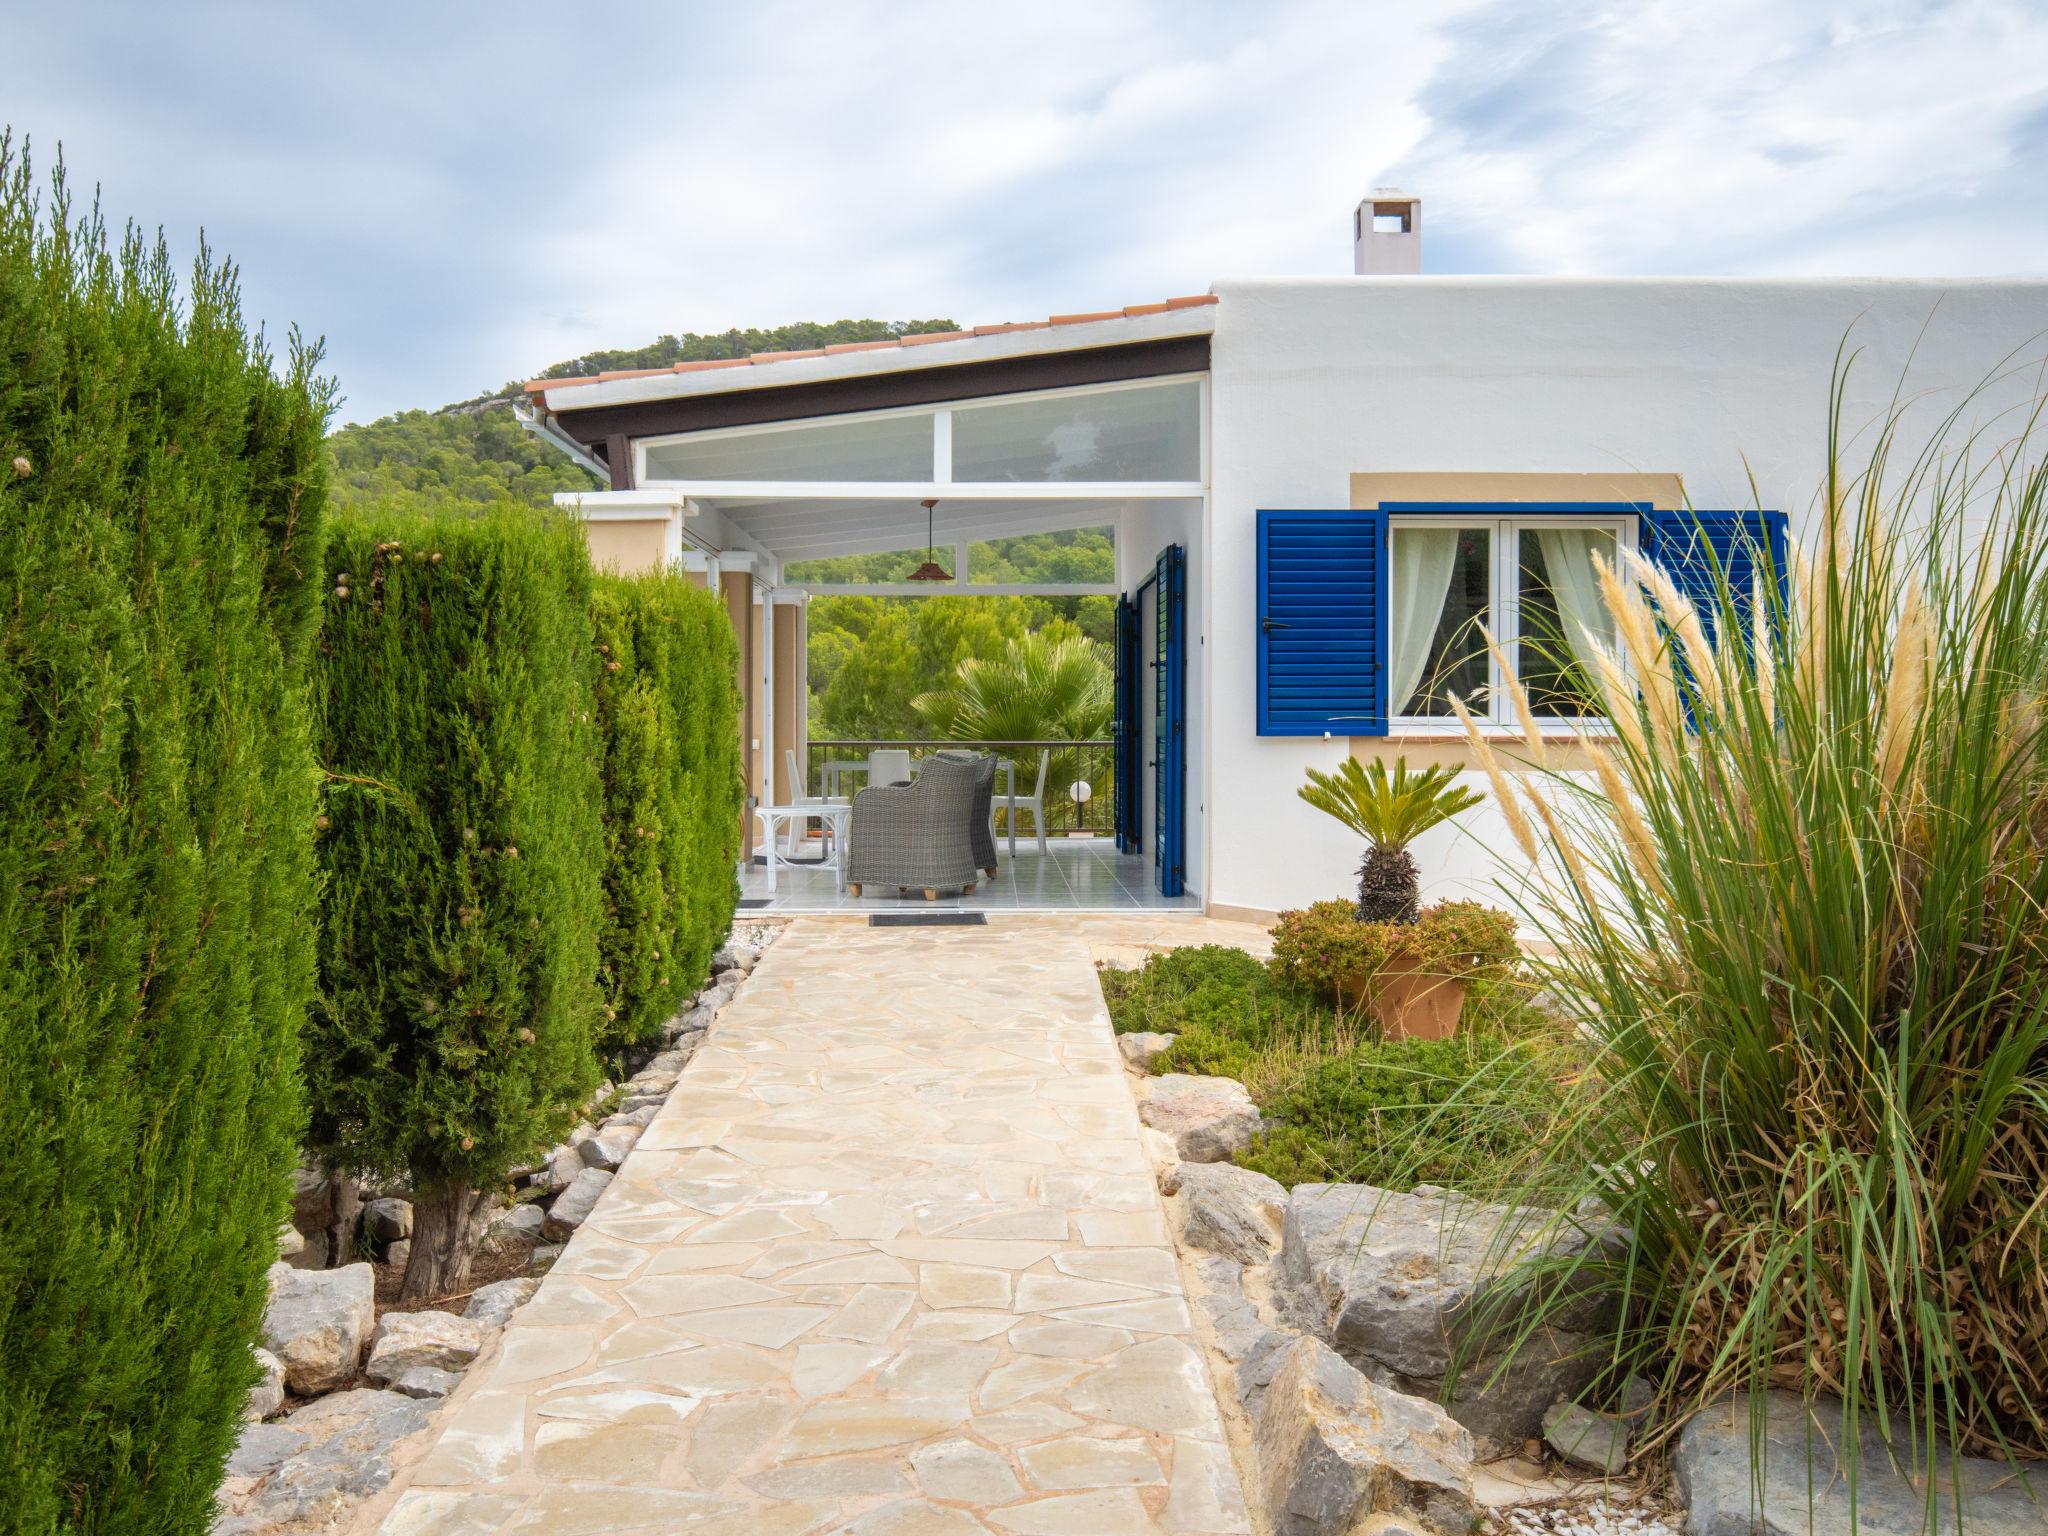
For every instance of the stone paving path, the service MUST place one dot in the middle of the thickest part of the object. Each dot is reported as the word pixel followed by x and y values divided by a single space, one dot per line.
pixel 890 1261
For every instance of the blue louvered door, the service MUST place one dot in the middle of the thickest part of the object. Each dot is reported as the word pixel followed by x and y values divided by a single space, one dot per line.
pixel 1126 729
pixel 1169 737
pixel 1322 623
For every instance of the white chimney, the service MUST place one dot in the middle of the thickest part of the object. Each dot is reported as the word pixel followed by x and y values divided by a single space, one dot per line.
pixel 1387 234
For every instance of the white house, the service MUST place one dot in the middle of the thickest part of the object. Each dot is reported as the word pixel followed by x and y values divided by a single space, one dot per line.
pixel 1325 477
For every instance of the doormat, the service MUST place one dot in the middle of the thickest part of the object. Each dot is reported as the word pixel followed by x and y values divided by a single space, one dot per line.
pixel 928 920
pixel 755 903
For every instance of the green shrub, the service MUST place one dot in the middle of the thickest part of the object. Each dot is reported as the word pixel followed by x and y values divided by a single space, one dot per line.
pixel 1325 943
pixel 161 520
pixel 1802 923
pixel 1464 1112
pixel 1346 1105
pixel 454 1031
pixel 668 715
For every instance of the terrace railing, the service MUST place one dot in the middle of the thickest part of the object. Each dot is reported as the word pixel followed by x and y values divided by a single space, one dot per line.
pixel 1074 763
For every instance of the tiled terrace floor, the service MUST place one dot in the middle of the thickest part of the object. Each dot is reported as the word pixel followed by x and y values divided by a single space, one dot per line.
pixel 890 1261
pixel 1073 875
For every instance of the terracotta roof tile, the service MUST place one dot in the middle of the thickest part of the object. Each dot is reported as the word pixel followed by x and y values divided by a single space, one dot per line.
pixel 1187 301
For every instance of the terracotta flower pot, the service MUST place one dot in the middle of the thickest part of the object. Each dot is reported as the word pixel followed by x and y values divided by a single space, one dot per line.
pixel 1411 998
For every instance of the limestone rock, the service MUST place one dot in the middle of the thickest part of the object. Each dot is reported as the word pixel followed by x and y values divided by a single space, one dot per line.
pixel 1391 1281
pixel 1210 1119
pixel 1230 1210
pixel 1335 1449
pixel 1802 1461
pixel 691 1021
pixel 1596 1441
pixel 317 1322
pixel 404 1340
pixel 290 1242
pixel 387 1220
pixel 1142 1047
pixel 267 1396
pixel 427 1381
pixel 668 1061
pixel 348 1459
pixel 640 1115
pixel 574 1204
pixel 492 1306
pixel 564 1164
pixel 521 1224
pixel 399 1254
pixel 263 1448
pixel 608 1148
pixel 542 1259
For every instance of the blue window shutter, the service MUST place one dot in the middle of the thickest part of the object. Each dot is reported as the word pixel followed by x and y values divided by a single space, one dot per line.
pixel 1322 623
pixel 1689 545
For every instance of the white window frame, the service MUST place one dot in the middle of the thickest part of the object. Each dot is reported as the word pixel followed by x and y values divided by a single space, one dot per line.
pixel 942 480
pixel 1503 606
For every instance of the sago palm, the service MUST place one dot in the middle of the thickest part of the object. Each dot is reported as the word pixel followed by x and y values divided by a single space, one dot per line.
pixel 1388 810
pixel 1050 685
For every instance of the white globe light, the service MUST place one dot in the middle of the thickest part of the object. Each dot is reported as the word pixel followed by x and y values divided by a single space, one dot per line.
pixel 1079 792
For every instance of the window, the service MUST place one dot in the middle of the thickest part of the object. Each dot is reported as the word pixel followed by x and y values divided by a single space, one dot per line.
pixel 1529 580
pixel 1148 432
pixel 895 447
pixel 1368 618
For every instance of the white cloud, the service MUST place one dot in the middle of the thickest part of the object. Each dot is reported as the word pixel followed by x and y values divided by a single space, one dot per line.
pixel 483 197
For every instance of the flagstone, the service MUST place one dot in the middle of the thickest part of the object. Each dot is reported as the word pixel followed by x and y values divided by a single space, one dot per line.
pixel 888 1261
pixel 1117 1512
pixel 1020 1379
pixel 872 1315
pixel 662 1295
pixel 1091 1462
pixel 601 1453
pixel 966 1472
pixel 824 1369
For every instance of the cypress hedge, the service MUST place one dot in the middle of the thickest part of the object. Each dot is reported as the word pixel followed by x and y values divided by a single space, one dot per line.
pixel 454 1030
pixel 673 791
pixel 161 495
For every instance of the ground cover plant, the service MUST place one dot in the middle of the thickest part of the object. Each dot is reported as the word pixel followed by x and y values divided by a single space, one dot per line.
pixel 1346 1105
pixel 161 522
pixel 668 735
pixel 1801 920
pixel 458 1012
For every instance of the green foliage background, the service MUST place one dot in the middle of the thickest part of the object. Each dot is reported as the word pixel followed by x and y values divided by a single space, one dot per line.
pixel 869 656
pixel 668 711
pixel 458 1004
pixel 161 496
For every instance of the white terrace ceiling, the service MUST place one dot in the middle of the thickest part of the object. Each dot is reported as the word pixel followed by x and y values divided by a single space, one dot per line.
pixel 797 529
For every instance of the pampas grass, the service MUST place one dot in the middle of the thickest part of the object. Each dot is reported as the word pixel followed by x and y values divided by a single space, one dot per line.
pixel 1806 936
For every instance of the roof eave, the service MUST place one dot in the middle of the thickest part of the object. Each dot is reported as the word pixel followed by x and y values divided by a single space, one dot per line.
pixel 1023 341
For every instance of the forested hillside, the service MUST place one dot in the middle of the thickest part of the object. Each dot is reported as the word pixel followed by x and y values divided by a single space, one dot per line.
pixel 869 656
pixel 475 452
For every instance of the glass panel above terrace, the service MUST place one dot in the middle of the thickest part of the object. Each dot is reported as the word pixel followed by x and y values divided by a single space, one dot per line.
pixel 1138 439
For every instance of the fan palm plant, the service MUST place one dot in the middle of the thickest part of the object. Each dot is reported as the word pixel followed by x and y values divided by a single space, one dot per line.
pixel 1388 810
pixel 1049 685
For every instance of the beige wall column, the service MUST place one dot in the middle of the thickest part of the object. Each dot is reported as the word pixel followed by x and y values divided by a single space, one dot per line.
pixel 628 547
pixel 791 700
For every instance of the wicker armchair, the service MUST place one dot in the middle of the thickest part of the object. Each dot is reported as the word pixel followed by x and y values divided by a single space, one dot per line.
pixel 981 831
pixel 915 835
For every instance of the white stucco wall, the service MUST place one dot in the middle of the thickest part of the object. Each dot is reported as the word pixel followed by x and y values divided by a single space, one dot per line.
pixel 1315 379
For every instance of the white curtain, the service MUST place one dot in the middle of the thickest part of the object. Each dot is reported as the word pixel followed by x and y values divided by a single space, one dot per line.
pixel 1568 556
pixel 1423 561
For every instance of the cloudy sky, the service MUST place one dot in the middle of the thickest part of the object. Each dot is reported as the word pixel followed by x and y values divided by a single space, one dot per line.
pixel 459 194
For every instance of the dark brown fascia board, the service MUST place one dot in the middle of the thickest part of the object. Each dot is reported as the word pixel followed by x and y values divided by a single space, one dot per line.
pixel 599 426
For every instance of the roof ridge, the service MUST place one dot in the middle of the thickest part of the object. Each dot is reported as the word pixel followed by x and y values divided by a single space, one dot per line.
pixel 918 339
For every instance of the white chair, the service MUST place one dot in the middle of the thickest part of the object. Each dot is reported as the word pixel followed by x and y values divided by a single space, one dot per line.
pixel 800 794
pixel 888 765
pixel 1033 802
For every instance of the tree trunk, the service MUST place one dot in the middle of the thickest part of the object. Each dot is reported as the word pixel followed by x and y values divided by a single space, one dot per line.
pixel 345 1210
pixel 443 1241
